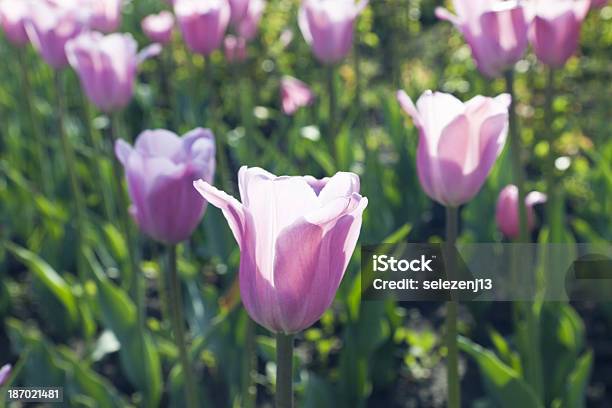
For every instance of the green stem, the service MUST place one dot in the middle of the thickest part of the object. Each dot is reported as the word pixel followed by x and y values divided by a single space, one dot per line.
pixel 516 153
pixel 284 370
pixel 70 160
pixel 97 144
pixel 549 171
pixel 46 181
pixel 452 369
pixel 176 306
pixel 332 117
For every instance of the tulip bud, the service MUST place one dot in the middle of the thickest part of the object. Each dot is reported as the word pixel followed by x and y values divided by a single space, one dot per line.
pixel 160 170
pixel 458 142
pixel 158 27
pixel 202 23
pixel 294 95
pixel 235 49
pixel 328 25
pixel 555 26
pixel 296 237
pixel 247 26
pixel 106 66
pixel 104 15
pixel 5 373
pixel 507 210
pixel 13 15
pixel 496 32
pixel 50 27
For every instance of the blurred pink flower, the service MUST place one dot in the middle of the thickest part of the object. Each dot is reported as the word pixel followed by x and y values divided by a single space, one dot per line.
pixel 51 26
pixel 328 25
pixel 202 23
pixel 296 237
pixel 13 15
pixel 294 94
pixel 238 10
pixel 458 142
pixel 598 3
pixel 106 66
pixel 235 48
pixel 5 373
pixel 158 27
pixel 160 170
pixel 104 15
pixel 495 30
pixel 507 210
pixel 247 27
pixel 554 30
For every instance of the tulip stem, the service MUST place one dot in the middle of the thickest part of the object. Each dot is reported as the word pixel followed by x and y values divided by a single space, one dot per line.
pixel 284 370
pixel 70 159
pixel 46 180
pixel 331 89
pixel 516 154
pixel 452 368
pixel 176 306
pixel 549 172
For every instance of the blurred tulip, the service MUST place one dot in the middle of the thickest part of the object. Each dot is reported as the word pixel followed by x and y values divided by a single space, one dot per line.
pixel 598 3
pixel 104 15
pixel 13 15
pixel 160 170
pixel 106 66
pixel 238 10
pixel 458 142
pixel 158 27
pixel 294 94
pixel 202 23
pixel 495 30
pixel 5 373
pixel 296 236
pixel 235 48
pixel 328 25
pixel 248 25
pixel 555 26
pixel 507 211
pixel 51 26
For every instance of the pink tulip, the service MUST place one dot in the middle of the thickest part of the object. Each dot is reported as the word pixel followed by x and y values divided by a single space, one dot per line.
pixel 495 30
pixel 248 25
pixel 598 3
pixel 104 15
pixel 203 23
pixel 160 170
pixel 51 26
pixel 328 25
pixel 13 15
pixel 555 26
pixel 107 66
pixel 507 211
pixel 158 27
pixel 238 10
pixel 296 236
pixel 5 373
pixel 235 49
pixel 458 142
pixel 294 94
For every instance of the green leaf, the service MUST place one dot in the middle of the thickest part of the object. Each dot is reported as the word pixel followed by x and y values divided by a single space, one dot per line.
pixel 49 277
pixel 502 382
pixel 578 381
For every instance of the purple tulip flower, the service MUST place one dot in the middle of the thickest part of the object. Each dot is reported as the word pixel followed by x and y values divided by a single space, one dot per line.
pixel 160 170
pixel 296 236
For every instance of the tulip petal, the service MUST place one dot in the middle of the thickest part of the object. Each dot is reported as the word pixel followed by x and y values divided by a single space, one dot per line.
pixel 123 151
pixel 232 209
pixel 342 184
pixel 159 143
